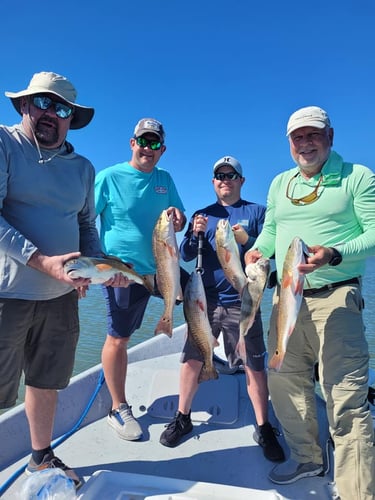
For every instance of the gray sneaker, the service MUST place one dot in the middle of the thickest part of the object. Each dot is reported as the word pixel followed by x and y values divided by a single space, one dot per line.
pixel 124 423
pixel 290 471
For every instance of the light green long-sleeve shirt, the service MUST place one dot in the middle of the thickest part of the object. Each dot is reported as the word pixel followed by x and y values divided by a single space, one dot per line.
pixel 343 216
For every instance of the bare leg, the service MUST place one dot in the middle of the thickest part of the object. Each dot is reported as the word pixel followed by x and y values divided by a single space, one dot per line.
pixel 258 393
pixel 115 364
pixel 188 384
pixel 40 407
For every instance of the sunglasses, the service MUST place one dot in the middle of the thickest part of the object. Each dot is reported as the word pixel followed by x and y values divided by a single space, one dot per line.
pixel 43 102
pixel 231 176
pixel 143 143
pixel 305 200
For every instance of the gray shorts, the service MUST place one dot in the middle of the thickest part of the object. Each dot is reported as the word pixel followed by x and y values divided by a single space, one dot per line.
pixel 38 337
pixel 227 320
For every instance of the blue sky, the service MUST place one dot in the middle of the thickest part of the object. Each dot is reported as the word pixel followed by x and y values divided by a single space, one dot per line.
pixel 222 76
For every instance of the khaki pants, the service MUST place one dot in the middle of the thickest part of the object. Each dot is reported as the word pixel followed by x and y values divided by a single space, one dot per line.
pixel 329 330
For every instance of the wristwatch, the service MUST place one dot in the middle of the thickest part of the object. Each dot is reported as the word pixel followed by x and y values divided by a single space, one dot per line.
pixel 336 258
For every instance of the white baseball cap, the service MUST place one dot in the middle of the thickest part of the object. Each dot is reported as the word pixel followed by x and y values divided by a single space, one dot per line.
pixel 311 116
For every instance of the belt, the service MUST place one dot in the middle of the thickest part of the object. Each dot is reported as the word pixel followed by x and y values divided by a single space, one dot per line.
pixel 312 291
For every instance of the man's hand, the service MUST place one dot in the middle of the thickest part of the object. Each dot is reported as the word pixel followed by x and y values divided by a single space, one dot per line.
pixel 179 219
pixel 320 257
pixel 119 280
pixel 240 234
pixel 199 224
pixel 252 256
pixel 54 267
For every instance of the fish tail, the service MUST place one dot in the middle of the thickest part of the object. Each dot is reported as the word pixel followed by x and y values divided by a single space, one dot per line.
pixel 207 373
pixel 164 326
pixel 241 349
pixel 276 361
pixel 180 295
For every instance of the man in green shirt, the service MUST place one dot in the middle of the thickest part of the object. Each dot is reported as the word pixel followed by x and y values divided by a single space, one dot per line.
pixel 330 205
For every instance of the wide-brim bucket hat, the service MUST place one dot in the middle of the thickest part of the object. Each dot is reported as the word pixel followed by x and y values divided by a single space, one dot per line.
pixel 51 83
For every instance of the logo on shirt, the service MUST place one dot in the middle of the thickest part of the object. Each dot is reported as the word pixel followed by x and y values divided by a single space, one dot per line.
pixel 243 222
pixel 160 189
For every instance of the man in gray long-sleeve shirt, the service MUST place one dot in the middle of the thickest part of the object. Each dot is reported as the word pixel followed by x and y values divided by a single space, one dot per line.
pixel 47 216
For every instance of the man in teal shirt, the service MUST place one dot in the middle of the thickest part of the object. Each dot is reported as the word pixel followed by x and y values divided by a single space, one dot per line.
pixel 129 199
pixel 330 205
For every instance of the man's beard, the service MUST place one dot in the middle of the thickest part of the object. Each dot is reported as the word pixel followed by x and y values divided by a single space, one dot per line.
pixel 47 136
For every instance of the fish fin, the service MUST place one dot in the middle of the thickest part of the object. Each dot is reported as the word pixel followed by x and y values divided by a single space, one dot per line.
pixel 241 349
pixel 215 342
pixel 207 373
pixel 171 250
pixel 227 255
pixel 180 295
pixel 103 267
pixel 113 257
pixel 149 282
pixel 276 361
pixel 164 326
pixel 299 287
pixel 201 305
pixel 287 281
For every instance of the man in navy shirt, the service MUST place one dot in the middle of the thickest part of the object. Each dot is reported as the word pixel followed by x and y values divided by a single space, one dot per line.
pixel 224 305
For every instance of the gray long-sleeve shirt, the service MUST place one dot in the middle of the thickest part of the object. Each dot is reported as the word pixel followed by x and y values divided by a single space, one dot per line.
pixel 46 206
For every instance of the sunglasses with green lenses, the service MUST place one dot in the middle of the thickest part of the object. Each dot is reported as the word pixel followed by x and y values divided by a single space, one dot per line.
pixel 143 143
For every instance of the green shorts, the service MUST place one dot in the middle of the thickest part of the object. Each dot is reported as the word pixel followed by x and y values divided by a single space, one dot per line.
pixel 38 338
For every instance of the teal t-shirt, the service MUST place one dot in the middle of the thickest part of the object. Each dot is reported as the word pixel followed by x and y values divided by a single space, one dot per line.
pixel 128 203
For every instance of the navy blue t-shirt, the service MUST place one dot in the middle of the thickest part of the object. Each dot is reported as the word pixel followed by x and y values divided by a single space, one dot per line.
pixel 250 216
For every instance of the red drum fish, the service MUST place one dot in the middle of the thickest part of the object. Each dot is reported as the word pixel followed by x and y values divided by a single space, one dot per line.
pixel 101 269
pixel 229 255
pixel 199 328
pixel 290 299
pixel 167 258
pixel 257 275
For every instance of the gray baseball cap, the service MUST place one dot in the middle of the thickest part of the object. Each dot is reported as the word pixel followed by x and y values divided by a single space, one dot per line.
pixel 231 162
pixel 151 126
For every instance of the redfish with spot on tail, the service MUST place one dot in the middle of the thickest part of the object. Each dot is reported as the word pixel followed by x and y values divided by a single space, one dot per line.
pixel 290 299
pixel 167 258
pixel 101 269
pixel 229 255
pixel 257 275
pixel 199 328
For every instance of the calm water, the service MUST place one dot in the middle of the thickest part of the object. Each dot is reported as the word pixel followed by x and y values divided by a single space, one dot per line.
pixel 93 321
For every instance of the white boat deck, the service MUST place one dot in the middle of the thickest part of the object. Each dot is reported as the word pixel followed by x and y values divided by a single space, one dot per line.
pixel 221 449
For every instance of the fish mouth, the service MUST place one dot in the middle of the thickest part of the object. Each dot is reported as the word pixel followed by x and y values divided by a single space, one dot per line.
pixel 71 270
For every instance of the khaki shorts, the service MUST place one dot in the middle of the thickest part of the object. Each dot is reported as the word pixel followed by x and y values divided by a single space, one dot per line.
pixel 227 320
pixel 40 338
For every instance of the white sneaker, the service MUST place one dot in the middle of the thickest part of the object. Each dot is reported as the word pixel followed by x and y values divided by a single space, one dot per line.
pixel 124 423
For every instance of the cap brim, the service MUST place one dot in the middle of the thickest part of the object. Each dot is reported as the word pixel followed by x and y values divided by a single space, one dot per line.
pixel 314 124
